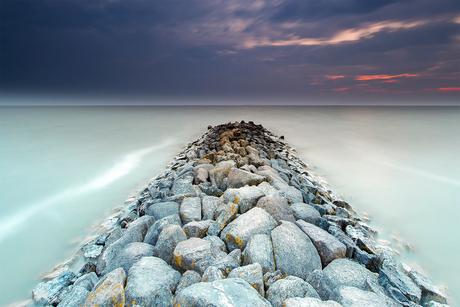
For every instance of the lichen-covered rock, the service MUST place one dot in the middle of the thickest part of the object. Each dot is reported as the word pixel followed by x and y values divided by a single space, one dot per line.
pixel 194 254
pixel 220 171
pixel 328 247
pixel 294 252
pixel 305 212
pixel 271 277
pixel 260 250
pixel 429 291
pixel 226 292
pixel 277 207
pixel 246 197
pixel 167 242
pixel 161 210
pixel 151 282
pixel 309 302
pixel 226 215
pixel 212 274
pixel 252 274
pixel 197 229
pixel 288 287
pixel 190 209
pixel 189 278
pixel 129 255
pixel 209 206
pixel 183 187
pixel 255 221
pixel 109 293
pixel 238 178
pixel 154 231
pixel 76 297
pixel 354 297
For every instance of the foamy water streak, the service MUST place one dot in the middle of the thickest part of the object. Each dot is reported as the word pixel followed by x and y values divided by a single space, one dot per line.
pixel 9 225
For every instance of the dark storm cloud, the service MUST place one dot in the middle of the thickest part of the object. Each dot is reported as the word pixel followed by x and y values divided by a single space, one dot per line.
pixel 220 48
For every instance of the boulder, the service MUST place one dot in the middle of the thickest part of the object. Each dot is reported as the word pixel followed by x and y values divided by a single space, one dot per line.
pixel 167 242
pixel 154 231
pixel 188 278
pixel 277 207
pixel 236 255
pixel 398 280
pixel 260 250
pixel 268 190
pixel 271 277
pixel 328 247
pixel 238 178
pixel 321 283
pixel 429 291
pixel 216 242
pixel 225 292
pixel 246 197
pixel 197 229
pixel 76 297
pixel 45 290
pixel 220 171
pixel 354 297
pixel 209 206
pixel 190 209
pixel 361 238
pixel 87 281
pixel 305 212
pixel 194 254
pixel 344 239
pixel 252 274
pixel 182 187
pixel 292 194
pixel 110 292
pixel 294 252
pixel 255 221
pixel 129 255
pixel 161 210
pixel 227 215
pixel 212 274
pixel 289 287
pixel 201 175
pixel 151 282
pixel 309 302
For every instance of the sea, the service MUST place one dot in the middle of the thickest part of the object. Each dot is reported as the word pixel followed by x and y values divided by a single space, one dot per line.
pixel 63 169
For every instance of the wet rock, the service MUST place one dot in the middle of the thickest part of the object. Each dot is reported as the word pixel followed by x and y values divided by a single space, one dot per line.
pixel 354 297
pixel 429 291
pixel 400 281
pixel 45 290
pixel 167 242
pixel 259 250
pixel 252 274
pixel 255 221
pixel 151 282
pixel 197 229
pixel 343 204
pixel 361 239
pixel 227 215
pixel 161 210
pixel 294 252
pixel 220 171
pixel 328 247
pixel 154 231
pixel 87 281
pixel 339 221
pixel 277 207
pixel 188 278
pixel 225 292
pixel 289 287
pixel 344 239
pixel 305 212
pixel 182 187
pixel 209 206
pixel 309 302
pixel 129 255
pixel 238 178
pixel 245 197
pixel 110 293
pixel 190 209
pixel 212 274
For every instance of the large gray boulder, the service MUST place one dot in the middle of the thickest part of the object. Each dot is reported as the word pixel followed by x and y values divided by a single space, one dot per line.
pixel 189 278
pixel 309 302
pixel 344 239
pixel 269 190
pixel 430 292
pixel 167 242
pixel 87 281
pixel 161 210
pixel 76 297
pixel 220 171
pixel 129 255
pixel 255 221
pixel 292 194
pixel 151 282
pixel 238 178
pixel 197 229
pixel 209 205
pixel 226 292
pixel 294 252
pixel 151 237
pixel 252 274
pixel 110 292
pixel 288 287
pixel 226 215
pixel 246 197
pixel 306 213
pixel 190 209
pixel 212 274
pixel 354 297
pixel 260 250
pixel 277 207
pixel 216 242
pixel 398 280
pixel 183 187
pixel 328 247
pixel 195 254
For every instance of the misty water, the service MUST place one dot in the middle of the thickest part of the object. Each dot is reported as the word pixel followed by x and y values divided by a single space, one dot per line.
pixel 63 170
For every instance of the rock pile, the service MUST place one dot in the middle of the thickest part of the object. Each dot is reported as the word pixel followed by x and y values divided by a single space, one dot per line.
pixel 238 220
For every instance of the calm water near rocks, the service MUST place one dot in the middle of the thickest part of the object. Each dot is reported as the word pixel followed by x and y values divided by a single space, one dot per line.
pixel 63 169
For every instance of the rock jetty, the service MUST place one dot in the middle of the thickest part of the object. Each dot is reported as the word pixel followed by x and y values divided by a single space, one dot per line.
pixel 237 220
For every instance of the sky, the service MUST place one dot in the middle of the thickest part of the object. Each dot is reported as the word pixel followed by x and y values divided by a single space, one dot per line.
pixel 351 51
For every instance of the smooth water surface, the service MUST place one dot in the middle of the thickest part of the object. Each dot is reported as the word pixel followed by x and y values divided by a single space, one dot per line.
pixel 63 169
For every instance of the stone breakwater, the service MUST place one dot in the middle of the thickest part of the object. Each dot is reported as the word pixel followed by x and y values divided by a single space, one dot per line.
pixel 237 220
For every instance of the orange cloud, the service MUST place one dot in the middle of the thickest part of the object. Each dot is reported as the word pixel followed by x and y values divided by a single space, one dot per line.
pixel 449 89
pixel 340 89
pixel 334 77
pixel 390 81
pixel 381 77
pixel 314 83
